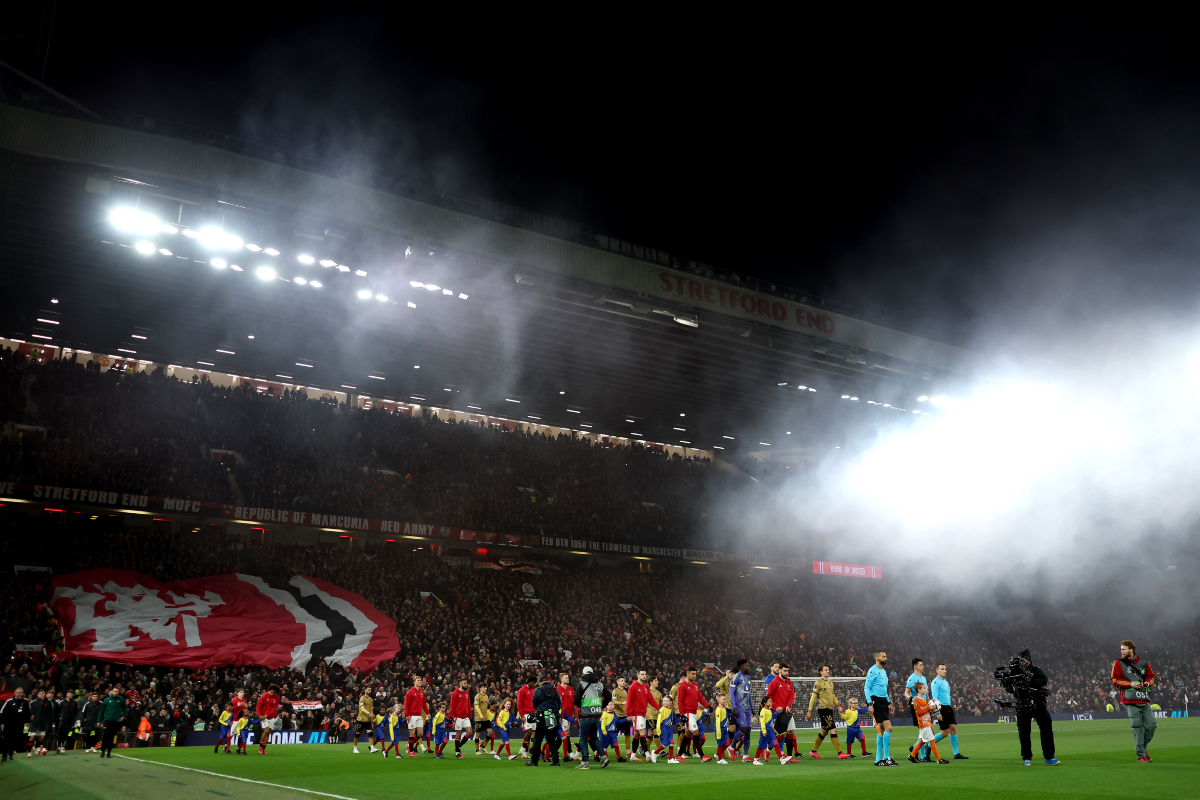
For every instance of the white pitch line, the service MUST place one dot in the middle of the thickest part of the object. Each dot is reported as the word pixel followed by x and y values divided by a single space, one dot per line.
pixel 234 777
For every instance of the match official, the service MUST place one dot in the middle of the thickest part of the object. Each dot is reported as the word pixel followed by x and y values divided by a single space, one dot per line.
pixel 877 696
pixel 947 724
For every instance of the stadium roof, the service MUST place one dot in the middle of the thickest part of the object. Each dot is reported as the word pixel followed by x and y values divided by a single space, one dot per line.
pixel 398 296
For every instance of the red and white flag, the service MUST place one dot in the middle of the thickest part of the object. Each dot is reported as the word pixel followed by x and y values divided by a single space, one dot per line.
pixel 114 615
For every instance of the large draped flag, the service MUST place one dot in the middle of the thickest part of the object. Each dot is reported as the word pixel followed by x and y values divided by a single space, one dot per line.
pixel 114 615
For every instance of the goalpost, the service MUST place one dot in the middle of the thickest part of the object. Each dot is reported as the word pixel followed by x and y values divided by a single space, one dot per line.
pixel 849 692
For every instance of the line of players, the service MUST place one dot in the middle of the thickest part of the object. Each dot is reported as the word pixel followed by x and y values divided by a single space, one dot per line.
pixel 683 712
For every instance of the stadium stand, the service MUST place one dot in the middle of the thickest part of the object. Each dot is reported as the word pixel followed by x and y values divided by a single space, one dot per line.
pixel 153 435
pixel 479 627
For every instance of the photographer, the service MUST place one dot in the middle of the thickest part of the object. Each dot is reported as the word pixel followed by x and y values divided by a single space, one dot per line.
pixel 547 706
pixel 1027 684
pixel 591 698
pixel 1134 678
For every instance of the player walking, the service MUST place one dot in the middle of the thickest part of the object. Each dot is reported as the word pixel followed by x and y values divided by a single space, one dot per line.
pixel 366 710
pixel 940 690
pixel 782 694
pixel 460 712
pixel 877 696
pixel 825 700
pixel 566 693
pixel 690 701
pixel 267 709
pixel 483 722
pixel 619 696
pixel 636 703
pixel 416 708
pixel 739 700
pixel 525 712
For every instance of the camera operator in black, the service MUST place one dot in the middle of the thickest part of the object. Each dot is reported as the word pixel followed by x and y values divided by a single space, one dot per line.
pixel 1031 698
pixel 547 707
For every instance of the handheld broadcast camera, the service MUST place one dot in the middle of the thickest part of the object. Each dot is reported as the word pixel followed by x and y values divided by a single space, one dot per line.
pixel 1014 678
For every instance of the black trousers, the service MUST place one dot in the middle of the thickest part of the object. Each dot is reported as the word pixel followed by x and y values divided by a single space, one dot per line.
pixel 108 736
pixel 1025 720
pixel 13 742
pixel 549 733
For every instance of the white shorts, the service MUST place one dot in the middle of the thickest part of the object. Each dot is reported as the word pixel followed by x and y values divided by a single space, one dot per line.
pixel 462 723
pixel 566 725
pixel 926 734
pixel 639 724
pixel 692 724
pixel 530 726
pixel 273 724
pixel 791 723
pixel 416 722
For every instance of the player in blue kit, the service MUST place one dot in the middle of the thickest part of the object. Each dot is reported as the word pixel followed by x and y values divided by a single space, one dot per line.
pixel 877 696
pixel 945 716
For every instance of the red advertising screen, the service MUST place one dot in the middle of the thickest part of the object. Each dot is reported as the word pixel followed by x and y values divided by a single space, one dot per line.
pixel 846 570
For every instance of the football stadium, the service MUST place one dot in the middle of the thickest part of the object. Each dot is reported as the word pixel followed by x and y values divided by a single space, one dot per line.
pixel 320 481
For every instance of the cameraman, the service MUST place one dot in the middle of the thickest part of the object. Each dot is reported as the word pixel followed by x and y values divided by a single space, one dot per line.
pixel 547 707
pixel 1031 705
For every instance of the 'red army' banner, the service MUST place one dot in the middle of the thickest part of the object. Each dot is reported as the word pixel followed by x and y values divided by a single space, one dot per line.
pixel 115 615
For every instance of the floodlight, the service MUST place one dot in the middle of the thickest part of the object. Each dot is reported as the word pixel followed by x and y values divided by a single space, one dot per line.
pixel 364 294
pixel 168 228
pixel 381 298
pixel 300 280
pixel 448 291
pixel 271 251
pixel 362 273
pixel 253 248
pixel 315 284
pixel 145 248
pixel 134 221
pixel 219 263
pixel 416 284
pixel 462 296
pixel 218 239
pixel 433 287
pixel 305 258
pixel 325 262
pixel 412 304
pixel 165 251
pixel 265 273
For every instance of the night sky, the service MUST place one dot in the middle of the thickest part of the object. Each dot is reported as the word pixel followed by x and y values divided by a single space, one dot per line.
pixel 921 165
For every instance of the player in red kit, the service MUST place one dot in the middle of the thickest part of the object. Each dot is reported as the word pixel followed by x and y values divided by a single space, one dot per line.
pixel 566 693
pixel 525 711
pixel 416 709
pixel 267 709
pixel 636 704
pixel 782 694
pixel 690 701
pixel 460 712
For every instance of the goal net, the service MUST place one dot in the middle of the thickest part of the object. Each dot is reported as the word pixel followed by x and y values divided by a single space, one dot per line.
pixel 849 693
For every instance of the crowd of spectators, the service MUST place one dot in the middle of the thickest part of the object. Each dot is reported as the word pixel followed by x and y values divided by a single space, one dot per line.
pixel 476 624
pixel 154 435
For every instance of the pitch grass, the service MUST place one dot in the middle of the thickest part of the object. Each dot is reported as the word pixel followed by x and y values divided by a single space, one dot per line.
pixel 1097 761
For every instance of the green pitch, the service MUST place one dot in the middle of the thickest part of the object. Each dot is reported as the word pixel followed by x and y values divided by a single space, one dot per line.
pixel 1097 761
